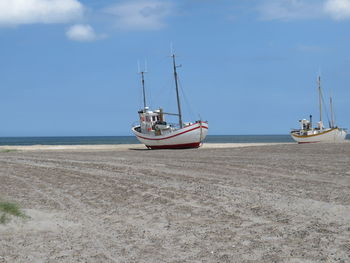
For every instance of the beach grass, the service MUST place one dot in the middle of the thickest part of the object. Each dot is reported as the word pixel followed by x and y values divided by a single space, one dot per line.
pixel 7 150
pixel 8 209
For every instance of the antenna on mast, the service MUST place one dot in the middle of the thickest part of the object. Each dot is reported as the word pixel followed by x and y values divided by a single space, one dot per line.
pixel 142 73
pixel 138 66
pixel 320 98
pixel 171 49
pixel 332 112
pixel 177 89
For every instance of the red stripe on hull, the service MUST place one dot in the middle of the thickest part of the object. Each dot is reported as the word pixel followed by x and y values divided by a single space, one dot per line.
pixel 175 146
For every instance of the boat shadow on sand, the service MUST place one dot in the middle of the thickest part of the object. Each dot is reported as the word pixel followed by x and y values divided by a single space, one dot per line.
pixel 147 149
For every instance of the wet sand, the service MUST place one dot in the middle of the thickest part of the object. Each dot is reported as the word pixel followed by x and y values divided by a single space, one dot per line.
pixel 219 203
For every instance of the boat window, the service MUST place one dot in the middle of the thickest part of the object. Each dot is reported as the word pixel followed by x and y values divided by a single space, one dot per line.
pixel 147 118
pixel 154 118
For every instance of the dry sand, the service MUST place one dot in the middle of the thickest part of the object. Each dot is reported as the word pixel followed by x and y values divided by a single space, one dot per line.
pixel 266 203
pixel 116 147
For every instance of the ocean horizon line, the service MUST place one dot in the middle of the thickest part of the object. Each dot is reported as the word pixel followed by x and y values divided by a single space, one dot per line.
pixel 71 136
pixel 129 139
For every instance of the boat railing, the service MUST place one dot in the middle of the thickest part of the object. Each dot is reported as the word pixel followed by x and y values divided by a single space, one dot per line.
pixel 173 125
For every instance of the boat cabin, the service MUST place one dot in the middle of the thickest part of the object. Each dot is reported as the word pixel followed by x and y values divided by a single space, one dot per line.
pixel 307 129
pixel 305 125
pixel 153 122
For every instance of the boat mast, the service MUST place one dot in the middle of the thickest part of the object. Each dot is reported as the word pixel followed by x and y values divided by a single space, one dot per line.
pixel 332 113
pixel 143 88
pixel 177 91
pixel 320 97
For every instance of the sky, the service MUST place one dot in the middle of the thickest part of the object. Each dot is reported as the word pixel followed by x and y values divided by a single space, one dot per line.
pixel 70 67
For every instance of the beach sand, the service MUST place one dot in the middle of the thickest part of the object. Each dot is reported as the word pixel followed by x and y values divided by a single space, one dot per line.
pixel 219 203
pixel 115 147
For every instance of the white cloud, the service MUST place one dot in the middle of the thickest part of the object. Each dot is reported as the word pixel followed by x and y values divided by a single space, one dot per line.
pixel 140 15
pixel 17 12
pixel 84 33
pixel 289 9
pixel 338 9
pixel 304 9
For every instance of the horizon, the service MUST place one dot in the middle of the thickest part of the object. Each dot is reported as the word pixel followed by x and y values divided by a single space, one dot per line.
pixel 134 136
pixel 248 67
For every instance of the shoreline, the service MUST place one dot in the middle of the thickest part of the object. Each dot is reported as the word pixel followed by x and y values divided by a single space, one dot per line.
pixel 110 147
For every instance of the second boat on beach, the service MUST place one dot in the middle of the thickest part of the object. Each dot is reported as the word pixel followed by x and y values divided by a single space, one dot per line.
pixel 309 134
pixel 154 132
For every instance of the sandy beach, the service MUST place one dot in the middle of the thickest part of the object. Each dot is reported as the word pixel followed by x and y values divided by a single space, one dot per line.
pixel 116 147
pixel 220 203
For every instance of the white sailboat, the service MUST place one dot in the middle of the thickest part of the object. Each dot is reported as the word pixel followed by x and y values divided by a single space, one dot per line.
pixel 155 133
pixel 309 134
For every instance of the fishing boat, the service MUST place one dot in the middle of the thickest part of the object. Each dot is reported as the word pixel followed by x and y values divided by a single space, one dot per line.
pixel 309 134
pixel 156 133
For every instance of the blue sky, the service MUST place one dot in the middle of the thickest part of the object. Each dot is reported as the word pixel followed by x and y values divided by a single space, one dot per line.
pixel 69 67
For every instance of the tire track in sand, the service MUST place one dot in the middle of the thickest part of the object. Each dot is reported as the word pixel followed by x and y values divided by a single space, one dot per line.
pixel 94 228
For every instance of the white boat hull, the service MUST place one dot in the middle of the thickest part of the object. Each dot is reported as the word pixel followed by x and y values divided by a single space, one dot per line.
pixel 327 135
pixel 188 137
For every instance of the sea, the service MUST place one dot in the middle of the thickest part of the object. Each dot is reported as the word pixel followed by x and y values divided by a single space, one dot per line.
pixel 93 140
